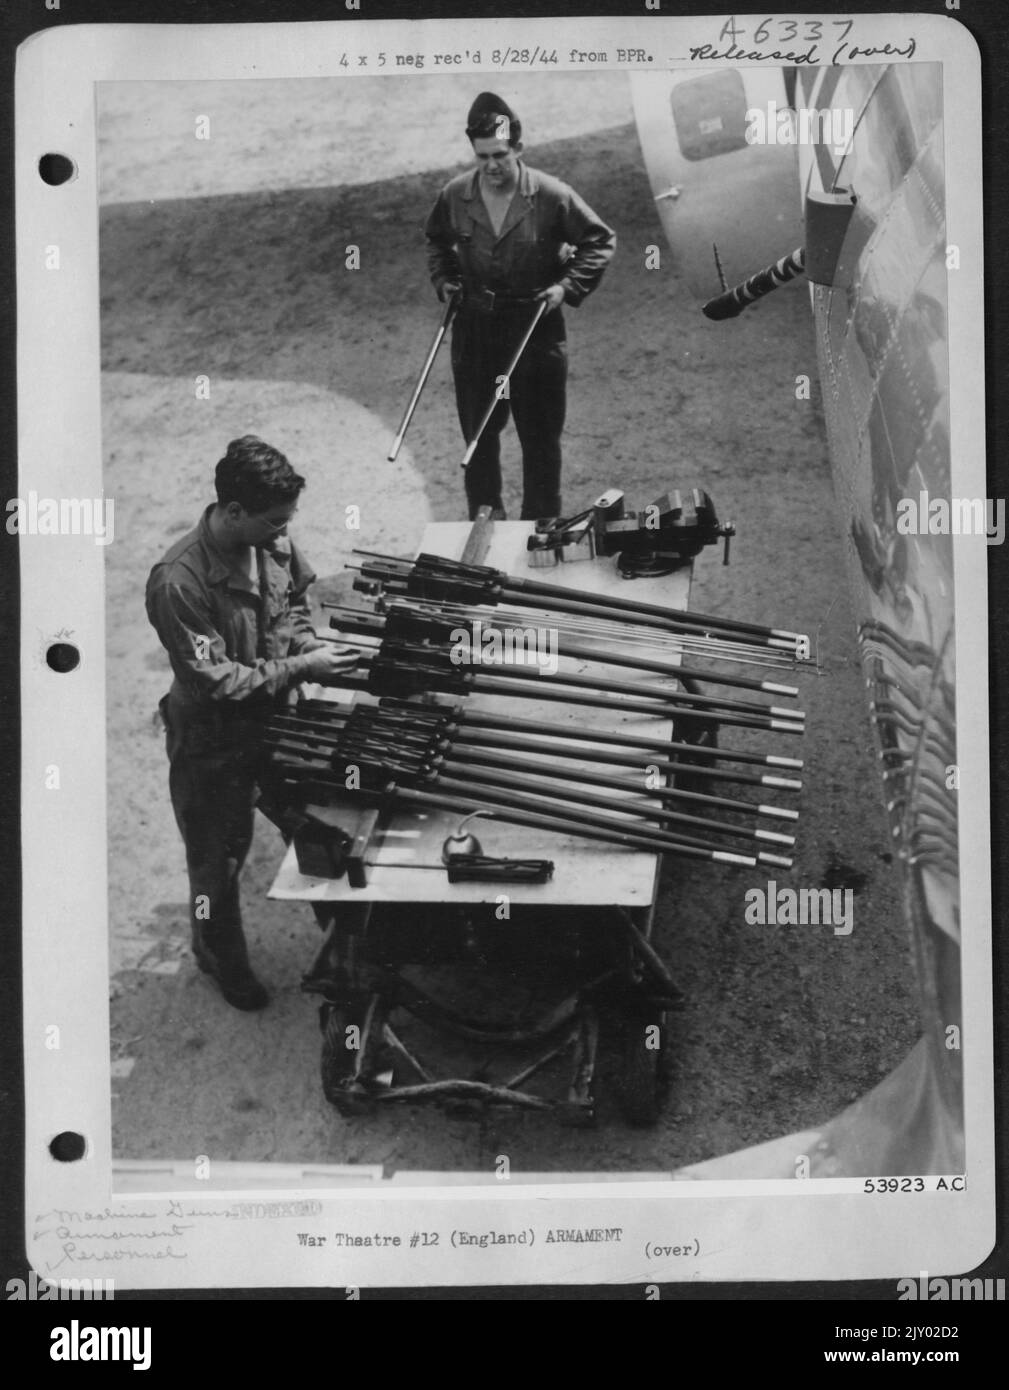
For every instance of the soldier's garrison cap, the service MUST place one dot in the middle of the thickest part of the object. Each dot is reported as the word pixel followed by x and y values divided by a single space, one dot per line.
pixel 490 117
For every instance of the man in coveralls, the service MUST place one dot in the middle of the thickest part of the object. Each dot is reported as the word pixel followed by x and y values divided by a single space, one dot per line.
pixel 229 604
pixel 505 236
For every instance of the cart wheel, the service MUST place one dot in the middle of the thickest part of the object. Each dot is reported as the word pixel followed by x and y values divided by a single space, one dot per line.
pixel 574 1116
pixel 644 1073
pixel 337 1061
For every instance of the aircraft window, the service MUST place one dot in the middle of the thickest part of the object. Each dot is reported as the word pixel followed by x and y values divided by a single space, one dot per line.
pixel 710 115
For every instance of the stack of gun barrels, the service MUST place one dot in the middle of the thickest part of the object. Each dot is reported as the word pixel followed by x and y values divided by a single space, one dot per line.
pixel 412 741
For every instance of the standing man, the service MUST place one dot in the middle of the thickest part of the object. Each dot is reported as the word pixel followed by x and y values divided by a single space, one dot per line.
pixel 505 237
pixel 229 604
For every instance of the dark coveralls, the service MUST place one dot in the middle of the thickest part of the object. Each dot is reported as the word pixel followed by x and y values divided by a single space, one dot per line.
pixel 237 650
pixel 549 236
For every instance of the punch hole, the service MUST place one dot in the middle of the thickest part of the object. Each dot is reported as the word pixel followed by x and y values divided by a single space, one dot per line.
pixel 55 169
pixel 62 656
pixel 67 1147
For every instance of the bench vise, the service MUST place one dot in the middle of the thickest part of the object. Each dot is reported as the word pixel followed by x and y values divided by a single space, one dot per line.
pixel 662 537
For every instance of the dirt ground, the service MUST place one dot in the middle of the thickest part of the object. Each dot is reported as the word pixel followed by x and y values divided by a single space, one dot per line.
pixel 228 262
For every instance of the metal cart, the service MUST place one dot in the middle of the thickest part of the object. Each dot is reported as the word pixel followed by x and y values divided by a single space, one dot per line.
pixel 596 913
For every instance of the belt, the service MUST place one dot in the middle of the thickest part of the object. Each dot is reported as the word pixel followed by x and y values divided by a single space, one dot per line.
pixel 489 300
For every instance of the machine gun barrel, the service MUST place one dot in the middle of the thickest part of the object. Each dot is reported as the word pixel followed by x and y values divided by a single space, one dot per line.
pixel 562 740
pixel 732 302
pixel 406 623
pixel 452 581
pixel 403 670
pixel 512 776
pixel 479 719
pixel 474 745
pixel 520 809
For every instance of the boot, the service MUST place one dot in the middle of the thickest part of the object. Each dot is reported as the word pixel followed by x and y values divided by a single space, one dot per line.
pixel 231 971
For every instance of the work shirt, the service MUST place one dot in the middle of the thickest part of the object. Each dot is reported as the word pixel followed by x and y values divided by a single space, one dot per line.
pixel 230 639
pixel 550 236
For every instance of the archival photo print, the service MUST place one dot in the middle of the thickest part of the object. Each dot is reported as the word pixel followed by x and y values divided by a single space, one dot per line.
pixel 501 371
pixel 524 529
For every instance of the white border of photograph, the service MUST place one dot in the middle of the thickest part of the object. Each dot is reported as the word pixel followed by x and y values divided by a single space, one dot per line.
pixel 244 1231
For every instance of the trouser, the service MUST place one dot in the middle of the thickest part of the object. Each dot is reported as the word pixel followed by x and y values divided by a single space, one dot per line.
pixel 482 346
pixel 213 788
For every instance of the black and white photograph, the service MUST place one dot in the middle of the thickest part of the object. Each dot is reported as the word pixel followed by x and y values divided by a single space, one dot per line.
pixel 516 541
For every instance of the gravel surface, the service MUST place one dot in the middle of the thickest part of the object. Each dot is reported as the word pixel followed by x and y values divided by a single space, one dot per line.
pixel 228 262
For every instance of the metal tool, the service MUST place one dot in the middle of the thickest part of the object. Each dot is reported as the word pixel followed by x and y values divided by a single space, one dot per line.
pixel 425 372
pixel 499 393
pixel 667 534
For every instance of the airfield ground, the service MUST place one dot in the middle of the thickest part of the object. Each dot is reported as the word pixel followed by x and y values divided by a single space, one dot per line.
pixel 228 261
